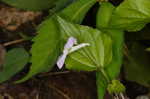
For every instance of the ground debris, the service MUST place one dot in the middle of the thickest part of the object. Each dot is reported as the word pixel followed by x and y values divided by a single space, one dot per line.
pixel 6 96
pixel 12 18
pixel 65 86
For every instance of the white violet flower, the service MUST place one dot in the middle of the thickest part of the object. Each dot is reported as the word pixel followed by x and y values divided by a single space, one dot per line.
pixel 69 48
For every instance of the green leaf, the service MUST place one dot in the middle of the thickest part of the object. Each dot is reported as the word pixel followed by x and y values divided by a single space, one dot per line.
pixel 15 61
pixel 77 10
pixel 61 4
pixel 92 57
pixel 99 53
pixel 113 69
pixel 131 15
pixel 117 37
pixel 104 14
pixel 31 4
pixel 103 19
pixel 137 65
pixel 46 47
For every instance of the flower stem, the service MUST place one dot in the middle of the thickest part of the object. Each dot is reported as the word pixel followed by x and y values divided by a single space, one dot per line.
pixel 105 75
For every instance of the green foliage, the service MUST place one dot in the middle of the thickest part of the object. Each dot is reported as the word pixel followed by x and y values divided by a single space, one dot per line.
pixel 93 57
pixel 104 14
pixel 137 65
pixel 131 15
pixel 76 12
pixel 103 19
pixel 37 5
pixel 15 61
pixel 46 47
pixel 62 4
pixel 113 69
pixel 116 87
pixel 31 4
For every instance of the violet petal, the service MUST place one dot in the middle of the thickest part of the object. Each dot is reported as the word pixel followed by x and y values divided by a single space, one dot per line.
pixel 71 41
pixel 61 61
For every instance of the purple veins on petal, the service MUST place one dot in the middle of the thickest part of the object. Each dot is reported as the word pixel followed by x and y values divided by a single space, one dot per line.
pixel 71 41
pixel 61 60
pixel 69 48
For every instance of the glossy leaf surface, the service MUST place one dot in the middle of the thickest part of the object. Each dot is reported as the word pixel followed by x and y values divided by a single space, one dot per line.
pixel 131 15
pixel 92 57
pixel 76 11
pixel 104 16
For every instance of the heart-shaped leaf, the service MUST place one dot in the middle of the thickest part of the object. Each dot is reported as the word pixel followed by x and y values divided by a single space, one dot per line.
pixel 131 15
pixel 92 57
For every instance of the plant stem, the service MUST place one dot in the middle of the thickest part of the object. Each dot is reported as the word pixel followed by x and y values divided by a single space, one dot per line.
pixel 105 75
pixel 13 42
